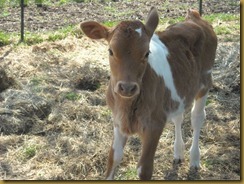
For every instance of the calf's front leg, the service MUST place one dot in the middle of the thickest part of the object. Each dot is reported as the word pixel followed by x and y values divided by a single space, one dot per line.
pixel 115 153
pixel 150 138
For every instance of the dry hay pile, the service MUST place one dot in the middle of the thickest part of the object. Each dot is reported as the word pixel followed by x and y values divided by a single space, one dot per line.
pixel 55 123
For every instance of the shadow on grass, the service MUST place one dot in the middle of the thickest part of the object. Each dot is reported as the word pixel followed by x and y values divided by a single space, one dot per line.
pixel 172 174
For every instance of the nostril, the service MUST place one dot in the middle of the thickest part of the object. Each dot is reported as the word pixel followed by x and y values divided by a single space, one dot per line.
pixel 133 88
pixel 121 87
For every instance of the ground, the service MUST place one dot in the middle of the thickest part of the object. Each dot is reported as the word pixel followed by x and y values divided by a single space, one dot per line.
pixel 54 120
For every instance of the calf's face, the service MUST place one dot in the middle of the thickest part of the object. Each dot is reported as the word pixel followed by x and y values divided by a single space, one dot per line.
pixel 128 51
pixel 128 54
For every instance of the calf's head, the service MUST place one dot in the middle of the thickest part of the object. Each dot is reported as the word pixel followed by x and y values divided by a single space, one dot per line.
pixel 128 51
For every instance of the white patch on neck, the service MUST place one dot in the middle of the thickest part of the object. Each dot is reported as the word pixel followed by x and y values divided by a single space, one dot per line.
pixel 139 30
pixel 159 63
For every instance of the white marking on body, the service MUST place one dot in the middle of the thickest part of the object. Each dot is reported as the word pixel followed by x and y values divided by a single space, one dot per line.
pixel 139 31
pixel 159 63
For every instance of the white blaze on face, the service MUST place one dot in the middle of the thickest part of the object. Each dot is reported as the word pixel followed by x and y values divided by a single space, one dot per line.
pixel 139 31
pixel 159 63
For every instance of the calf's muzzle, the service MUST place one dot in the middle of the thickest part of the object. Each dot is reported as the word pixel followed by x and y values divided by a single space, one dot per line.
pixel 127 89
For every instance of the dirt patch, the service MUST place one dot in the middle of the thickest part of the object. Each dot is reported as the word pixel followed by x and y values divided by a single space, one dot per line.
pixel 51 17
pixel 56 125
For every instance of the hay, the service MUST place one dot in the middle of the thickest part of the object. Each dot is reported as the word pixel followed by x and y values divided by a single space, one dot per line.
pixel 59 112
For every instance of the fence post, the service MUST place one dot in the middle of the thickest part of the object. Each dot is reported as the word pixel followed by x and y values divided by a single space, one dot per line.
pixel 200 7
pixel 22 21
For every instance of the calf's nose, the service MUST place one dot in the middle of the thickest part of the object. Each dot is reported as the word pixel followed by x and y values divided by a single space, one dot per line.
pixel 127 89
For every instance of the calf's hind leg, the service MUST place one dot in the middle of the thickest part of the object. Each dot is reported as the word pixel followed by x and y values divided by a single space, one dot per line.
pixel 179 145
pixel 198 115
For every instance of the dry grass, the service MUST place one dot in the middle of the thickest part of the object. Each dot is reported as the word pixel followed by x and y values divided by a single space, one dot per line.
pixel 71 138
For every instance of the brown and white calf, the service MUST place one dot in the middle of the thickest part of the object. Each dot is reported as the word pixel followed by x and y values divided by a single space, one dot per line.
pixel 155 77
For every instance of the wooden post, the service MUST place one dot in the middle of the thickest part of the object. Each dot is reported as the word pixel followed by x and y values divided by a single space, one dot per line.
pixel 200 7
pixel 22 21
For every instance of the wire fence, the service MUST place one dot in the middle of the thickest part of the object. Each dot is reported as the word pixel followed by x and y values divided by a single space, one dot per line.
pixel 24 17
pixel 40 3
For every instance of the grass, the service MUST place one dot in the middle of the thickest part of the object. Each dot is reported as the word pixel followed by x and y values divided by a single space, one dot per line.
pixel 129 174
pixel 224 24
pixel 4 38
pixel 35 81
pixel 72 96
pixel 38 37
pixel 110 23
pixel 14 3
pixel 30 151
pixel 224 17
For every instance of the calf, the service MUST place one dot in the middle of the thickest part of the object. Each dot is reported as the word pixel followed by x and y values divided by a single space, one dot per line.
pixel 155 77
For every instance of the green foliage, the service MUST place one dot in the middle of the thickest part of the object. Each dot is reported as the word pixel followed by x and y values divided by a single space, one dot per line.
pixel 4 39
pixel 110 23
pixel 33 38
pixel 72 96
pixel 30 151
pixel 221 17
pixel 130 173
pixel 56 36
pixel 222 30
pixel 6 3
pixel 36 81
pixel 4 13
pixel 63 33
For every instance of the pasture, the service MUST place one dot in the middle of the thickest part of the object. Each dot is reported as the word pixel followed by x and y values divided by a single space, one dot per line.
pixel 54 121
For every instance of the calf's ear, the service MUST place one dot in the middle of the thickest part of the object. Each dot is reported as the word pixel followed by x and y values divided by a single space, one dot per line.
pixel 152 21
pixel 94 30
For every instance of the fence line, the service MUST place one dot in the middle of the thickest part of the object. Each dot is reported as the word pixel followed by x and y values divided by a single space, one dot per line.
pixel 22 21
pixel 39 3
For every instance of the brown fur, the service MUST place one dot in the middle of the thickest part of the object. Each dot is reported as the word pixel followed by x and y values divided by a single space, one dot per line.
pixel 192 46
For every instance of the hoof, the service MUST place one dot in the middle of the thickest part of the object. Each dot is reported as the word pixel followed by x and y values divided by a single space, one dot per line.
pixel 178 160
pixel 195 166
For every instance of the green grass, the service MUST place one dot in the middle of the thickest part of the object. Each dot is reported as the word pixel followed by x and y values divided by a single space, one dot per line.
pixel 130 173
pixel 36 81
pixel 61 33
pixel 110 23
pixel 72 96
pixel 14 3
pixel 224 17
pixel 224 24
pixel 30 151
pixel 32 38
pixel 5 13
pixel 4 38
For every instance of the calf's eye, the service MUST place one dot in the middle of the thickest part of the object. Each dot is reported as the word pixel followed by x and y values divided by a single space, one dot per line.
pixel 110 52
pixel 147 54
